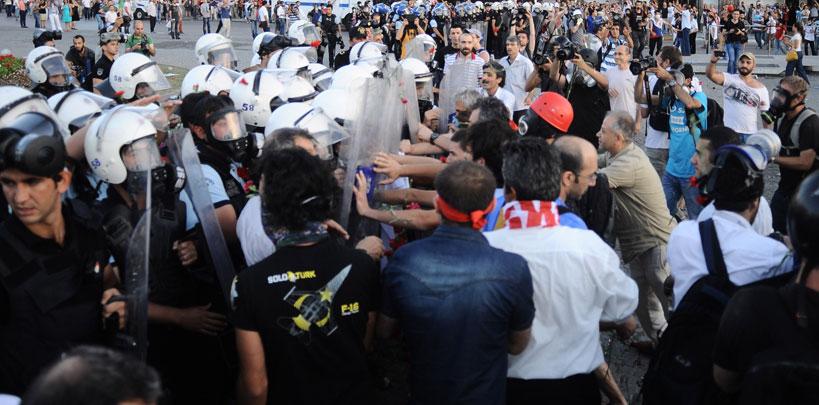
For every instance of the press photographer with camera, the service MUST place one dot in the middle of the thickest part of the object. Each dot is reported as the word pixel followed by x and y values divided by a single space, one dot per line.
pixel 656 108
pixel 139 41
pixel 81 60
pixel 619 82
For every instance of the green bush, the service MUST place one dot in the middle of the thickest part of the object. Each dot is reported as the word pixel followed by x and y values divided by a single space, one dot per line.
pixel 10 65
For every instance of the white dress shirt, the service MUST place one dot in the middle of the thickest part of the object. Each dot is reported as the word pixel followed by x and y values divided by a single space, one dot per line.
pixel 516 74
pixel 763 221
pixel 503 95
pixel 577 283
pixel 256 245
pixel 749 256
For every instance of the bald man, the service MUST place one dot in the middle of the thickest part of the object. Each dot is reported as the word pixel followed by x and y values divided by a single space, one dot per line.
pixel 618 81
pixel 582 189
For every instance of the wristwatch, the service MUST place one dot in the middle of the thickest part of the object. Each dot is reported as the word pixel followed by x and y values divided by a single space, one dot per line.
pixel 433 137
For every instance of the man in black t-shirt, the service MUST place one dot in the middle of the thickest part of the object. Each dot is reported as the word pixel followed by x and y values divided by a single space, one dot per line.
pixel 735 31
pixel 109 47
pixel 81 61
pixel 796 160
pixel 304 315
pixel 768 341
pixel 637 21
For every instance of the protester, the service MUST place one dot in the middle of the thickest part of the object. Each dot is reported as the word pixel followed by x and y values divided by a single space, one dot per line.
pixel 744 97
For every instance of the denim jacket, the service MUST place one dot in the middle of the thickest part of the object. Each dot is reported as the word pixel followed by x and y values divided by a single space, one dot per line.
pixel 457 299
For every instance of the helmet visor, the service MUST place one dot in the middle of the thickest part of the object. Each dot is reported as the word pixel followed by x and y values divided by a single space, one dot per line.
pixel 323 81
pixel 141 155
pixel 224 57
pixel 33 103
pixel 311 36
pixel 56 70
pixel 324 129
pixel 150 80
pixel 227 125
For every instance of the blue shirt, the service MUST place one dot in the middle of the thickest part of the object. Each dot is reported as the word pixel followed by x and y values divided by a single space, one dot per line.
pixel 683 141
pixel 570 219
pixel 458 299
pixel 492 217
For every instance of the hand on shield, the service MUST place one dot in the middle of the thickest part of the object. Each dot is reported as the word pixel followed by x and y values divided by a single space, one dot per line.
pixel 111 307
pixel 405 146
pixel 432 117
pixel 200 320
pixel 186 250
pixel 373 246
pixel 388 166
pixel 337 228
pixel 362 204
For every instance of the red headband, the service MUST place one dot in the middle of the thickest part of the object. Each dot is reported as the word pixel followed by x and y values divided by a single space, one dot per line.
pixel 477 217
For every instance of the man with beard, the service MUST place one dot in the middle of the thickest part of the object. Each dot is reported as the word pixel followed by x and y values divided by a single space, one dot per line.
pixel 494 76
pixel 744 97
pixel 80 59
pixel 466 54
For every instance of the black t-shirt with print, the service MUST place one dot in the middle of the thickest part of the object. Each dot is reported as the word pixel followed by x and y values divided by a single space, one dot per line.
pixel 736 26
pixel 808 139
pixel 310 305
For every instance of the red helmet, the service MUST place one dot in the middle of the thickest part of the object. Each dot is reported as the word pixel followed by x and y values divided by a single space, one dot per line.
pixel 548 113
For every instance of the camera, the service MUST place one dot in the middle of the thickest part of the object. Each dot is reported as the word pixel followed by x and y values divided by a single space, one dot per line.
pixel 719 54
pixel 542 50
pixel 42 36
pixel 640 65
pixel 566 51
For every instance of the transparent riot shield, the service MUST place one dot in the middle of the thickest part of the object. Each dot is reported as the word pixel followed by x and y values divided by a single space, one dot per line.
pixel 460 76
pixel 409 98
pixel 377 128
pixel 184 154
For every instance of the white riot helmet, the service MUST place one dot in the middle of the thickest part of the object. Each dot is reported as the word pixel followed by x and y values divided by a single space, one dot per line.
pixel 324 129
pixel 422 47
pixel 210 78
pixel 105 141
pixel 537 8
pixel 289 61
pixel 322 76
pixel 350 77
pixel 298 90
pixel 303 32
pixel 136 76
pixel 77 107
pixel 496 6
pixel 257 42
pixel 418 68
pixel 46 65
pixel 17 101
pixel 215 49
pixel 254 94
pixel 479 5
pixel 367 52
pixel 340 105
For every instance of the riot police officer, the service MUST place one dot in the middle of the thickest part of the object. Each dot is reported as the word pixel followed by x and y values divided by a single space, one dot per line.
pixel 331 34
pixel 53 268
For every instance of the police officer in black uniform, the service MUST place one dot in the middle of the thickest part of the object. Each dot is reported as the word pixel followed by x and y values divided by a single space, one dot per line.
pixel 331 34
pixel 358 34
pixel 109 49
pixel 54 269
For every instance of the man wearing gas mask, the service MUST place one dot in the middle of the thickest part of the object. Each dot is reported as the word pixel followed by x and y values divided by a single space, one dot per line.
pixel 225 145
pixel 798 129
pixel 48 71
pixel 54 269
pixel 185 311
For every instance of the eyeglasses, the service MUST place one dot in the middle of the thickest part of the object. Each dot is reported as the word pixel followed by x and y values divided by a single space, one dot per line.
pixel 591 178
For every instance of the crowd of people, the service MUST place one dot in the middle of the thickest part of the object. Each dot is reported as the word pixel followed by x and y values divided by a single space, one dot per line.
pixel 489 184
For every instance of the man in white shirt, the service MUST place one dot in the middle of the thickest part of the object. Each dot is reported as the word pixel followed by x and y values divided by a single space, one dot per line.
pixel 619 81
pixel 466 54
pixel 749 257
pixel 493 78
pixel 518 68
pixel 576 278
pixel 744 97
pixel 685 24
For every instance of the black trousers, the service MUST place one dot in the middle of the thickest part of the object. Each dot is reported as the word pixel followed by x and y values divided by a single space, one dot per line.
pixel 579 389
pixel 153 23
pixel 654 43
pixel 692 39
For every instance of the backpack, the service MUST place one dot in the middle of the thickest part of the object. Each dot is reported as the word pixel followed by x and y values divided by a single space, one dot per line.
pixel 794 134
pixel 714 114
pixel 659 116
pixel 681 370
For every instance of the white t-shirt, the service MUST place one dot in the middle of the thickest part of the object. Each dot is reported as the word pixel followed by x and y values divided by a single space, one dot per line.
pixel 516 75
pixel 810 32
pixel 622 81
pixel 256 245
pixel 685 19
pixel 796 42
pixel 742 104
pixel 655 139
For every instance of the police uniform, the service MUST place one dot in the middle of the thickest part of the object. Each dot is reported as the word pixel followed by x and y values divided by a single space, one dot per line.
pixel 49 297
pixel 330 29
pixel 102 68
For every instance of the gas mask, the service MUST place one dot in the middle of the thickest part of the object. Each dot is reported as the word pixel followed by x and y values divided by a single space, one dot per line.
pixel 781 101
pixel 226 131
pixel 142 159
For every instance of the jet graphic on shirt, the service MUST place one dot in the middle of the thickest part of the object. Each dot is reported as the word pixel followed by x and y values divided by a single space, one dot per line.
pixel 315 308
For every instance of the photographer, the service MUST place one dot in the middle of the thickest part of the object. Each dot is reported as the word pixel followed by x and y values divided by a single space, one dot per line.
pixel 80 59
pixel 139 41
pixel 577 30
pixel 656 108
pixel 611 42
pixel 637 21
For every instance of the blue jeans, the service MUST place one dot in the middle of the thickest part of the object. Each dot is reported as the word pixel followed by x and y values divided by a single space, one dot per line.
pixel 733 49
pixel 205 25
pixel 100 22
pixel 798 67
pixel 685 44
pixel 254 28
pixel 780 46
pixel 673 188
pixel 282 25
